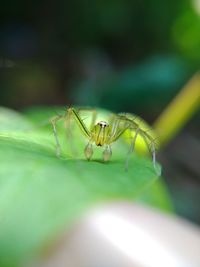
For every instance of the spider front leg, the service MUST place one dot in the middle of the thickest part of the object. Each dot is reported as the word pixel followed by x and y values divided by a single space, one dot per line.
pixel 88 149
pixel 93 117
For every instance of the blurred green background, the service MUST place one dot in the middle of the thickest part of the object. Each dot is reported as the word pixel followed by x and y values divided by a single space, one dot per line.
pixel 129 56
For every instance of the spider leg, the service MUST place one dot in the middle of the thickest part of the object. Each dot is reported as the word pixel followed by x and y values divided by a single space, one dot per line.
pixel 88 149
pixel 116 131
pixel 94 115
pixel 53 122
pixel 127 123
pixel 115 123
pixel 70 112
pixel 130 123
pixel 69 133
pixel 132 146
pixel 79 121
pixel 151 147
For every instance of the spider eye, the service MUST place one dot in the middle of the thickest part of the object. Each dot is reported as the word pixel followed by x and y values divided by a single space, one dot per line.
pixel 103 124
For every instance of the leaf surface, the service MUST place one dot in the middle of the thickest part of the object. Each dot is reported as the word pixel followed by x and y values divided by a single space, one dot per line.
pixel 40 194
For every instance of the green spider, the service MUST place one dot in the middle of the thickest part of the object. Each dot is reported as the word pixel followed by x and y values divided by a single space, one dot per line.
pixel 104 133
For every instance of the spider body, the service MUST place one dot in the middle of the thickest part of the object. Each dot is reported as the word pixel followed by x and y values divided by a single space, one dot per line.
pixel 104 133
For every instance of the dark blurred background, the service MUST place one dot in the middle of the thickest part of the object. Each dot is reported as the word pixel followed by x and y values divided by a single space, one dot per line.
pixel 123 55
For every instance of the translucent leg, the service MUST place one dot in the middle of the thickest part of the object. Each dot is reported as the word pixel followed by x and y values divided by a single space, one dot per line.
pixel 53 123
pixel 152 150
pixel 132 146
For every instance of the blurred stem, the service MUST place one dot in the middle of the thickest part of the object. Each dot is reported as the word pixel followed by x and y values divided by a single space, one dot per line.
pixel 179 111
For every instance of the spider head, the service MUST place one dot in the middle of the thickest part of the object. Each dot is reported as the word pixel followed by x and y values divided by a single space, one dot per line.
pixel 103 124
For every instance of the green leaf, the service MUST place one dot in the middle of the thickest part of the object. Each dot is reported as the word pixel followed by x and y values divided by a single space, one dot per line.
pixel 157 196
pixel 41 194
pixel 12 120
